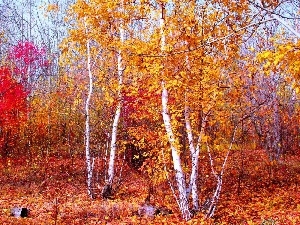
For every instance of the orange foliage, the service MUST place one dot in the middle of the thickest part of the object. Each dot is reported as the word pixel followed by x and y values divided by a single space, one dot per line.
pixel 54 190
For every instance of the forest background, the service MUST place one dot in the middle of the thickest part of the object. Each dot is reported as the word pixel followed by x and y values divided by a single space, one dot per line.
pixel 150 112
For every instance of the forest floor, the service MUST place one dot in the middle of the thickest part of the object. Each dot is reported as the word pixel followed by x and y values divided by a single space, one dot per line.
pixel 54 189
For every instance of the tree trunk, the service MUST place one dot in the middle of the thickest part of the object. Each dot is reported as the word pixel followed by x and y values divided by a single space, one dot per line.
pixel 183 200
pixel 194 155
pixel 113 145
pixel 213 202
pixel 89 164
pixel 181 185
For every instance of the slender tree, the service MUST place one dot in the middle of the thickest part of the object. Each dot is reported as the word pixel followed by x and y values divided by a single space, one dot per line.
pixel 180 178
pixel 89 159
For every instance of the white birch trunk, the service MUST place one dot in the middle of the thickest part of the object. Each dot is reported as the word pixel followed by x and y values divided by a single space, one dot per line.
pixel 183 200
pixel 219 177
pixel 195 156
pixel 89 163
pixel 181 185
pixel 193 179
pixel 113 145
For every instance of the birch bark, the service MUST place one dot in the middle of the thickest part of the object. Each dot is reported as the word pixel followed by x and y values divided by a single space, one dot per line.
pixel 113 145
pixel 212 205
pixel 89 163
pixel 180 178
pixel 194 155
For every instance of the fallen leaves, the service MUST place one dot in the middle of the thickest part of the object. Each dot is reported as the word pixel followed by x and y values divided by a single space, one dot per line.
pixel 58 201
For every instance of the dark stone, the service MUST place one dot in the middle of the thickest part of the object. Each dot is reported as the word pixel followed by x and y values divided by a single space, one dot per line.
pixel 19 212
pixel 24 212
pixel 164 211
pixel 147 210
pixel 107 192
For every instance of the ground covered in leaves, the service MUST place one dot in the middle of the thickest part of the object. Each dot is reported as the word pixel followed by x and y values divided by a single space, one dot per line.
pixel 255 192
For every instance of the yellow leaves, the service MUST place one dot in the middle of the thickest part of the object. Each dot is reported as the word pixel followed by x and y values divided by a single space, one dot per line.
pixel 251 49
pixel 112 4
pixel 205 139
pixel 2 35
pixel 52 8
pixel 77 102
pixel 284 58
pixel 6 211
pixel 9 163
pixel 182 74
pixel 278 58
pixel 108 97
pixel 250 222
pixel 285 48
pixel 266 66
pixel 167 48
pixel 81 8
pixel 264 55
pixel 197 221
pixel 163 1
pixel 173 83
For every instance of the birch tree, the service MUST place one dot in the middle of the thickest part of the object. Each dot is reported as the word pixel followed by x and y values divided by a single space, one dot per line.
pixel 213 103
pixel 190 56
pixel 180 178
pixel 88 158
pixel 114 132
